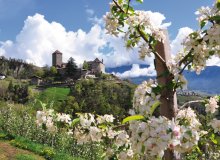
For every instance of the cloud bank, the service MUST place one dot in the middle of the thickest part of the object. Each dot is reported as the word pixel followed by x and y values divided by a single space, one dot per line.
pixel 176 44
pixel 136 71
pixel 39 38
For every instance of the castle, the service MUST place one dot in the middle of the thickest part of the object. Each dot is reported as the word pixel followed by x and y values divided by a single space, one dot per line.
pixel 94 67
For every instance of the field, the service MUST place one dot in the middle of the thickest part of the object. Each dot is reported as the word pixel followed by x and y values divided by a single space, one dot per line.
pixel 54 94
pixel 9 152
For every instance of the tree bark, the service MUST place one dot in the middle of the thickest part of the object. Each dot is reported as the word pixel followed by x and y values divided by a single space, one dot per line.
pixel 168 107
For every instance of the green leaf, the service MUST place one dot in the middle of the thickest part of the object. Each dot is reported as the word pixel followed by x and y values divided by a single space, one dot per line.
pixel 157 89
pixel 75 121
pixel 131 10
pixel 212 138
pixel 132 118
pixel 218 4
pixel 198 150
pixel 189 67
pixel 43 105
pixel 154 107
pixel 218 140
pixel 102 126
pixel 129 42
pixel 202 24
pixel 139 1
pixel 120 2
pixel 215 18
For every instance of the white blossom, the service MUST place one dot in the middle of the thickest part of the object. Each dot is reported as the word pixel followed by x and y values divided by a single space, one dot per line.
pixel 144 98
pixel 212 105
pixel 64 118
pixel 215 123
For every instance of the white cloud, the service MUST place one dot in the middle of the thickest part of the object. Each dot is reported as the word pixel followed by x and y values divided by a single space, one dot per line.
pixel 157 19
pixel 96 20
pixel 213 61
pixel 90 12
pixel 176 44
pixel 39 38
pixel 136 71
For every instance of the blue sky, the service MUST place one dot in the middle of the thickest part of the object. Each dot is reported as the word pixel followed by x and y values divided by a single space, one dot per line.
pixel 72 14
pixel 33 29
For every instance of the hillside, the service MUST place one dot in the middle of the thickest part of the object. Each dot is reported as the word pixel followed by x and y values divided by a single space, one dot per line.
pixel 16 68
pixel 207 81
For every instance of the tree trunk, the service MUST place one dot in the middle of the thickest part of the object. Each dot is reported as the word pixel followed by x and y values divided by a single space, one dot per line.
pixel 168 107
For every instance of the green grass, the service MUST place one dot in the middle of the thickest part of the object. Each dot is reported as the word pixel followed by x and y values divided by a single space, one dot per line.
pixel 54 94
pixel 184 99
pixel 45 151
pixel 25 157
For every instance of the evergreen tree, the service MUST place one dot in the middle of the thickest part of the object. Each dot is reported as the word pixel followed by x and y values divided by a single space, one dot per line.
pixel 85 65
pixel 53 70
pixel 71 67
pixel 11 86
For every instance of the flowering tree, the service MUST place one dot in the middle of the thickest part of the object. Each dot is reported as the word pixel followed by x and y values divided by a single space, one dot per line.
pixel 142 135
pixel 140 32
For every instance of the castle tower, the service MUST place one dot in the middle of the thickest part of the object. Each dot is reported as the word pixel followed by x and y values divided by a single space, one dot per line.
pixel 57 59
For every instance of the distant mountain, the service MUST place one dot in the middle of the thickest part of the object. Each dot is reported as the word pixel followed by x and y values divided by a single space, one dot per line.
pixel 208 81
pixel 123 68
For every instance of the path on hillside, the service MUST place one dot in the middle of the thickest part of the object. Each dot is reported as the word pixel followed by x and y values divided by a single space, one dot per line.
pixel 9 152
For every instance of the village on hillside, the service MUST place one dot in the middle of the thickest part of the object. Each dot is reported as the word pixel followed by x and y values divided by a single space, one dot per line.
pixel 69 71
pixel 59 73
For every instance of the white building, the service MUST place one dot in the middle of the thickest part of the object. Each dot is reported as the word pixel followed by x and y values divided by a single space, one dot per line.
pixel 2 76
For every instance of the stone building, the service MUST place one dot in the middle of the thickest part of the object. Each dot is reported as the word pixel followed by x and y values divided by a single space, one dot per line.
pixel 36 80
pixel 57 59
pixel 96 66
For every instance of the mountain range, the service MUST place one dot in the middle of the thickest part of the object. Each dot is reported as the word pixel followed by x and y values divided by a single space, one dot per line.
pixel 208 81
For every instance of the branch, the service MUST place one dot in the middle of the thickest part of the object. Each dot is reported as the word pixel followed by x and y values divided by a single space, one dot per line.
pixel 190 102
pixel 118 6
pixel 184 58
pixel 128 6
pixel 145 39
pixel 142 34
pixel 121 126
pixel 185 66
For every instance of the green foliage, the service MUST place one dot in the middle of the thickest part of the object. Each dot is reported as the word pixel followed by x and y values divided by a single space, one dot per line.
pixel 53 70
pixel 132 118
pixel 40 73
pixel 4 136
pixel 21 123
pixel 16 68
pixel 17 92
pixel 140 1
pixel 55 95
pixel 154 107
pixel 10 87
pixel 25 157
pixel 85 65
pixel 218 4
pixel 71 67
pixel 48 153
pixel 70 106
pixel 104 97
pixel 75 121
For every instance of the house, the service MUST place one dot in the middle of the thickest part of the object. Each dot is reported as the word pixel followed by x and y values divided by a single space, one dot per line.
pixel 95 67
pixel 2 76
pixel 36 80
